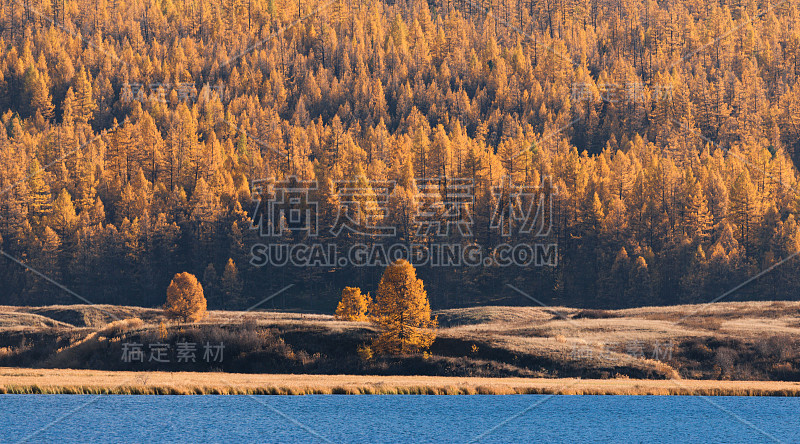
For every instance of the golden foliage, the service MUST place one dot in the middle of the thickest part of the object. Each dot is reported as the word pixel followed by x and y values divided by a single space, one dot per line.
pixel 365 352
pixel 185 298
pixel 162 331
pixel 402 312
pixel 353 306
pixel 412 97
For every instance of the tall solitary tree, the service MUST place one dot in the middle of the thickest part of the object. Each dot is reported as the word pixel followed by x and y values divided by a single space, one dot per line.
pixel 185 299
pixel 402 312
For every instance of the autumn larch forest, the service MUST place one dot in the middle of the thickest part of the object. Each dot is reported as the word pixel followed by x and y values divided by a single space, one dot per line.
pixel 136 136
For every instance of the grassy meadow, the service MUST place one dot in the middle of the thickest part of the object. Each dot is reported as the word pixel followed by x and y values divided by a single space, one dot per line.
pixel 59 381
pixel 725 348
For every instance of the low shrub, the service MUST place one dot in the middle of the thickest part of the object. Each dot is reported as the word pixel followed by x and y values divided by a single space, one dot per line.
pixel 593 314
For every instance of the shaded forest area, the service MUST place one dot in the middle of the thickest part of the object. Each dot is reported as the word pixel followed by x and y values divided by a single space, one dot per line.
pixel 135 131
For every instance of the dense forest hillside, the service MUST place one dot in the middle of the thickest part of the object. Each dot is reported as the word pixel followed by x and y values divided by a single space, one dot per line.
pixel 640 151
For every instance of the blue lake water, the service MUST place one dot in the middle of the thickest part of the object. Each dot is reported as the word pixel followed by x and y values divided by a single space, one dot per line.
pixel 369 419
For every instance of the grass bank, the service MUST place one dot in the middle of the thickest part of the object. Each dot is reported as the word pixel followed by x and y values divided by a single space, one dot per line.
pixel 747 341
pixel 60 381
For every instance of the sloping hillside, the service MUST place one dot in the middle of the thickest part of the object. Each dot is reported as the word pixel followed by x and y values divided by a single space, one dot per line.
pixel 736 340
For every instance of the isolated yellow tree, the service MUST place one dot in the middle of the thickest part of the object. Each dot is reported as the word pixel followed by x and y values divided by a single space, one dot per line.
pixel 402 312
pixel 185 298
pixel 353 306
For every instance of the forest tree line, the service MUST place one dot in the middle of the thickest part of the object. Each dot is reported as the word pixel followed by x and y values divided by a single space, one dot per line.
pixel 134 132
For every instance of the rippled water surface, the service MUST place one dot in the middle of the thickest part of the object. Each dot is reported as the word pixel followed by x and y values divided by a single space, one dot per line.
pixel 528 418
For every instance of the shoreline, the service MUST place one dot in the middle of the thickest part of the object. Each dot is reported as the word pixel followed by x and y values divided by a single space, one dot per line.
pixel 68 381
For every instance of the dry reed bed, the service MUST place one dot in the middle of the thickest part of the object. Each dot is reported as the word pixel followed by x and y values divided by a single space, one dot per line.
pixel 57 381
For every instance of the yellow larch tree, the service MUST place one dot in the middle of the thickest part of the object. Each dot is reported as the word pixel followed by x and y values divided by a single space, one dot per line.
pixel 353 306
pixel 402 312
pixel 185 299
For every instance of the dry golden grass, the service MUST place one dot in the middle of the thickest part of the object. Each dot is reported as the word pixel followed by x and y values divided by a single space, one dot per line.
pixel 702 323
pixel 745 319
pixel 12 320
pixel 79 315
pixel 17 380
pixel 737 320
pixel 557 333
pixel 100 316
pixel 553 333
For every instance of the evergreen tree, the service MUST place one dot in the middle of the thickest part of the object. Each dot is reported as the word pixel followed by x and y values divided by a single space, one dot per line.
pixel 353 306
pixel 231 285
pixel 185 299
pixel 84 105
pixel 402 312
pixel 63 217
